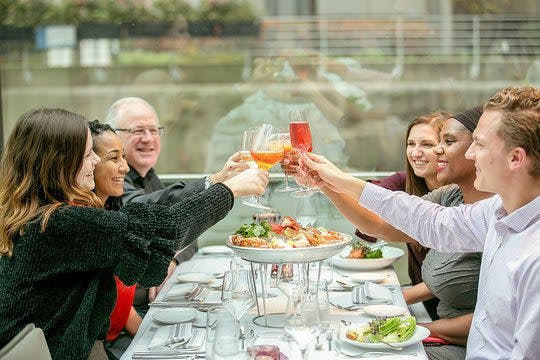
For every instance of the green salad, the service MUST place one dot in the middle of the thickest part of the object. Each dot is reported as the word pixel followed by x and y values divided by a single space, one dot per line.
pixel 390 330
pixel 254 230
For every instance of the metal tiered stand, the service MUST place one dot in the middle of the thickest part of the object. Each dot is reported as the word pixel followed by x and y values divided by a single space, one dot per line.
pixel 263 258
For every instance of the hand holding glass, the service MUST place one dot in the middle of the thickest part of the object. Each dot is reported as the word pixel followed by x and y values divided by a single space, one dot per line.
pixel 301 141
pixel 245 154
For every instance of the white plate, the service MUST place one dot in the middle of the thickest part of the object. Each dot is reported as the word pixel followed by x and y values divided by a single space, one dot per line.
pixel 384 310
pixel 390 255
pixel 420 333
pixel 361 277
pixel 179 291
pixel 172 316
pixel 197 277
pixel 215 250
pixel 297 255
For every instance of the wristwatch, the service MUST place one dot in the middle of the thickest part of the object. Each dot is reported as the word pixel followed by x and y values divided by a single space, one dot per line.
pixel 207 182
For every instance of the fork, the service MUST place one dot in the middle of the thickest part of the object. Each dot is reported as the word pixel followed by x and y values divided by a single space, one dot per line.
pixel 348 308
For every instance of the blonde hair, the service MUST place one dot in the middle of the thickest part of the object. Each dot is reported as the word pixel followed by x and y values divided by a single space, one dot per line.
pixel 519 124
pixel 38 171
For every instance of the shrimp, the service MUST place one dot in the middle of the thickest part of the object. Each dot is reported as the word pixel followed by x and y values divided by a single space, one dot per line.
pixel 289 222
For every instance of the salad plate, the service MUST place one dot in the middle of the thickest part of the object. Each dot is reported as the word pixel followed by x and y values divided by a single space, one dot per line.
pixel 195 277
pixel 362 277
pixel 389 256
pixel 420 333
pixel 384 310
pixel 216 250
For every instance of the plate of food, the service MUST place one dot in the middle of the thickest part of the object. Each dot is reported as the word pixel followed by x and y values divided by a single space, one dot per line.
pixel 288 242
pixel 361 257
pixel 398 331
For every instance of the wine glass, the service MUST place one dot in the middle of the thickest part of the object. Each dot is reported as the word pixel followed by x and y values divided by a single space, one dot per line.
pixel 301 141
pixel 245 155
pixel 238 293
pixel 287 147
pixel 302 320
pixel 266 148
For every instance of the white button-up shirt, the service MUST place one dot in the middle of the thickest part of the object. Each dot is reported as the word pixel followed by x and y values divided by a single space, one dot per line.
pixel 506 322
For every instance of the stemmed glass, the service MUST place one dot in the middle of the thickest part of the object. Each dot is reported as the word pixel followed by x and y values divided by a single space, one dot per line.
pixel 238 292
pixel 245 154
pixel 301 141
pixel 302 320
pixel 266 148
pixel 287 147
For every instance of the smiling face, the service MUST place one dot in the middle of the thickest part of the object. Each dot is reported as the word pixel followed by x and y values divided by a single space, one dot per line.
pixel 85 176
pixel 142 151
pixel 420 143
pixel 452 167
pixel 490 154
pixel 110 171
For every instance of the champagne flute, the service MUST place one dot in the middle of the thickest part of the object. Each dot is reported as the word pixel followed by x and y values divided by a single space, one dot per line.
pixel 287 147
pixel 267 148
pixel 301 141
pixel 245 155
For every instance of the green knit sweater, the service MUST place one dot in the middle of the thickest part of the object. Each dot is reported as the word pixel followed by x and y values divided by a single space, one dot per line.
pixel 62 279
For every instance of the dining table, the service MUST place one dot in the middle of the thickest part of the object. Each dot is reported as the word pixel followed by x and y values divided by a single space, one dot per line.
pixel 212 264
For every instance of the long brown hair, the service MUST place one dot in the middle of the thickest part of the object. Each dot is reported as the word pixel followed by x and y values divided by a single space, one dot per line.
pixel 414 184
pixel 38 170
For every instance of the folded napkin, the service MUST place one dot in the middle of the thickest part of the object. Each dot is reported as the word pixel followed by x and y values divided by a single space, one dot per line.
pixel 169 335
pixel 371 293
pixel 342 300
pixel 377 292
pixel 180 292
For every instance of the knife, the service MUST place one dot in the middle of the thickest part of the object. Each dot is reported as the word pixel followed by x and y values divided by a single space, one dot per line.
pixel 166 355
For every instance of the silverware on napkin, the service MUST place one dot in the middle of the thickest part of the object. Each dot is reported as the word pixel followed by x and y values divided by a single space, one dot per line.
pixel 167 355
pixel 179 340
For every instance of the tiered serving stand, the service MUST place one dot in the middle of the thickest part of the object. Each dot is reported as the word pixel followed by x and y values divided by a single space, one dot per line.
pixel 262 258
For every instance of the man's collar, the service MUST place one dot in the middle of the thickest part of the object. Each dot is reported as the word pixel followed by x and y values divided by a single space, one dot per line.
pixel 133 174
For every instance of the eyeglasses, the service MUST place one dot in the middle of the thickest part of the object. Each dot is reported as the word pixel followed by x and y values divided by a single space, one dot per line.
pixel 140 131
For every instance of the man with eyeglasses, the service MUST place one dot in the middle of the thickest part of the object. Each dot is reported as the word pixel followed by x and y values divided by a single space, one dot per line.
pixel 137 124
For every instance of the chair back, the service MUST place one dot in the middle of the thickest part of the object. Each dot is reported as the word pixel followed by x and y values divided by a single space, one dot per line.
pixel 29 343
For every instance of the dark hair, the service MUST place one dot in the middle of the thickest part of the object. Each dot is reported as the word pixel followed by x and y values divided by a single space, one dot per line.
pixel 469 118
pixel 39 168
pixel 414 184
pixel 519 123
pixel 97 129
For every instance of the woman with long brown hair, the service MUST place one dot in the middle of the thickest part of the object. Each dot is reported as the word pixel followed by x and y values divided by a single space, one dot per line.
pixel 60 251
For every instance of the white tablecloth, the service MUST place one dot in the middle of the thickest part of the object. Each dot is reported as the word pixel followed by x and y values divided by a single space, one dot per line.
pixel 218 263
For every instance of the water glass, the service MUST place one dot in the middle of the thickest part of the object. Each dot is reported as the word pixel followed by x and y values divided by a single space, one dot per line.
pixel 212 317
pixel 226 339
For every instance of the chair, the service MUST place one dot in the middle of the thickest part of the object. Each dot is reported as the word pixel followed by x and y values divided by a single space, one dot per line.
pixel 29 343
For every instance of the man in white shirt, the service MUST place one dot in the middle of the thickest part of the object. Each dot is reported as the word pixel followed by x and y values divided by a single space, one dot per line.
pixel 506 227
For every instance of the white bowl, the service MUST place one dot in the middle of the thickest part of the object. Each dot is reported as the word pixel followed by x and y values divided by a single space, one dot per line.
pixel 390 255
pixel 296 255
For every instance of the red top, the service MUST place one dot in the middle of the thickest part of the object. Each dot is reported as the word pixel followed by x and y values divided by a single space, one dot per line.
pixel 122 308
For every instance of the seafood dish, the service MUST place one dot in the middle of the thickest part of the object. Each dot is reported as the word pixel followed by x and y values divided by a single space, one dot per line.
pixel 285 235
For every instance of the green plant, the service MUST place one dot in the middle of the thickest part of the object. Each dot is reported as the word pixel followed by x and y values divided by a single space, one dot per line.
pixel 28 13
pixel 226 11
pixel 172 10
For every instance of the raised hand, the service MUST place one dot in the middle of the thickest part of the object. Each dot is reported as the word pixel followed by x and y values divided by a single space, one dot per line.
pixel 232 167
pixel 319 171
pixel 248 182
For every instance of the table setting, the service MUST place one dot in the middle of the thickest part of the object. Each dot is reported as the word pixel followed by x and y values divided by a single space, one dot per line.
pixel 192 324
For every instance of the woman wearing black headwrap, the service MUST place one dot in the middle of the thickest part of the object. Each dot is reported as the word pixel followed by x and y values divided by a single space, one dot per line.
pixel 453 277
